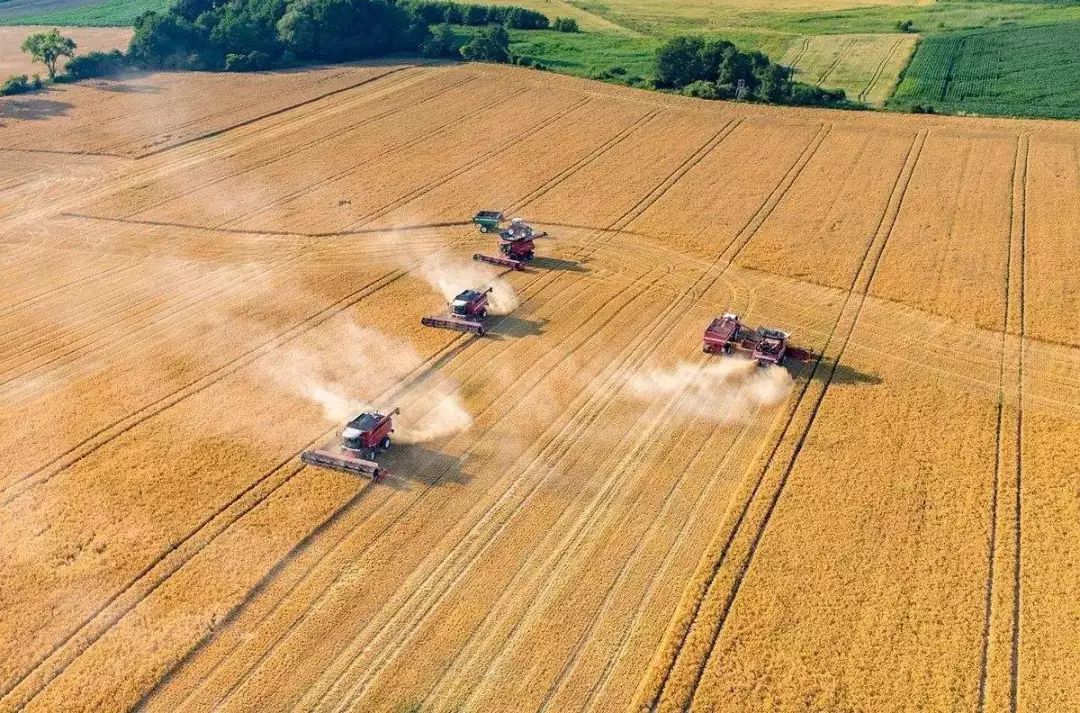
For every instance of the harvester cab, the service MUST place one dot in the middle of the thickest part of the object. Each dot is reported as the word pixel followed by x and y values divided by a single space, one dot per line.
pixel 467 312
pixel 771 346
pixel 471 303
pixel 357 446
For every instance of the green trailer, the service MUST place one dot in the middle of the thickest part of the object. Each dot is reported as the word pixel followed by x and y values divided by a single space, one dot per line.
pixel 488 220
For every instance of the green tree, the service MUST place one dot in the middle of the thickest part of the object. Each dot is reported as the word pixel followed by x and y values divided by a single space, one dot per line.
pixel 492 44
pixel 679 63
pixel 441 43
pixel 48 48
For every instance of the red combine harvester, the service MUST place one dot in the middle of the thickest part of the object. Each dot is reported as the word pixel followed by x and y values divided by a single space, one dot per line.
pixel 516 246
pixel 765 344
pixel 355 448
pixel 467 312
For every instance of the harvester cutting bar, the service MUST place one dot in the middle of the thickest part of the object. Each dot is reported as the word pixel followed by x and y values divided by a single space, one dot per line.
pixel 458 324
pixel 332 456
pixel 499 260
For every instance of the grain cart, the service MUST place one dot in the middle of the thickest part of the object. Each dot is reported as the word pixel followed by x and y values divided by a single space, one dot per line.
pixel 488 220
pixel 355 448
pixel 467 313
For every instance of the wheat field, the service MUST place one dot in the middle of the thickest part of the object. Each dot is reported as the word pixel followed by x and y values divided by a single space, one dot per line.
pixel 204 274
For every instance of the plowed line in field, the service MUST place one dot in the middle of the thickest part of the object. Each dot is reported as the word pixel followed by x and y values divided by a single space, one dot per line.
pixel 839 57
pixel 303 146
pixel 592 156
pixel 276 112
pixel 201 154
pixel 658 323
pixel 124 425
pixel 162 316
pixel 548 572
pixel 116 307
pixel 479 160
pixel 488 525
pixel 107 115
pixel 415 502
pixel 881 236
pixel 67 286
pixel 1013 289
pixel 663 518
pixel 456 346
pixel 1019 444
pixel 904 181
pixel 163 133
pixel 416 140
pixel 879 70
pixel 672 178
pixel 749 230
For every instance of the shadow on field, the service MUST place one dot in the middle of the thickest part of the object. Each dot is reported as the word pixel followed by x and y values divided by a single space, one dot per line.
pixel 120 86
pixel 32 109
pixel 511 326
pixel 554 263
pixel 422 465
pixel 844 374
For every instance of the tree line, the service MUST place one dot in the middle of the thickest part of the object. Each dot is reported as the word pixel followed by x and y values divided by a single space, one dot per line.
pixel 716 69
pixel 248 35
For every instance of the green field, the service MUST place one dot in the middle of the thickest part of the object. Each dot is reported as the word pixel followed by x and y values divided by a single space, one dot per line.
pixel 73 13
pixel 1022 71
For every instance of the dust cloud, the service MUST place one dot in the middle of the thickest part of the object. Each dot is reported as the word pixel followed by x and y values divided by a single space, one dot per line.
pixel 449 276
pixel 724 391
pixel 364 369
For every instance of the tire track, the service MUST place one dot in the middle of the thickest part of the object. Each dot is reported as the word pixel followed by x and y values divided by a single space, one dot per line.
pixel 454 348
pixel 716 269
pixel 793 65
pixel 560 556
pixel 627 217
pixel 429 488
pixel 488 525
pixel 840 56
pixel 652 699
pixel 1012 323
pixel 305 146
pixel 876 76
pixel 131 422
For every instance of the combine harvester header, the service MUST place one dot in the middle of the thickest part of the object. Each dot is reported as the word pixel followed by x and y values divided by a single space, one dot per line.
pixel 516 246
pixel 765 345
pixel 467 313
pixel 356 446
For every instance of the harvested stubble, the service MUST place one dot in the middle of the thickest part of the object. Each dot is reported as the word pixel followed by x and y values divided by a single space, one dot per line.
pixel 162 545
